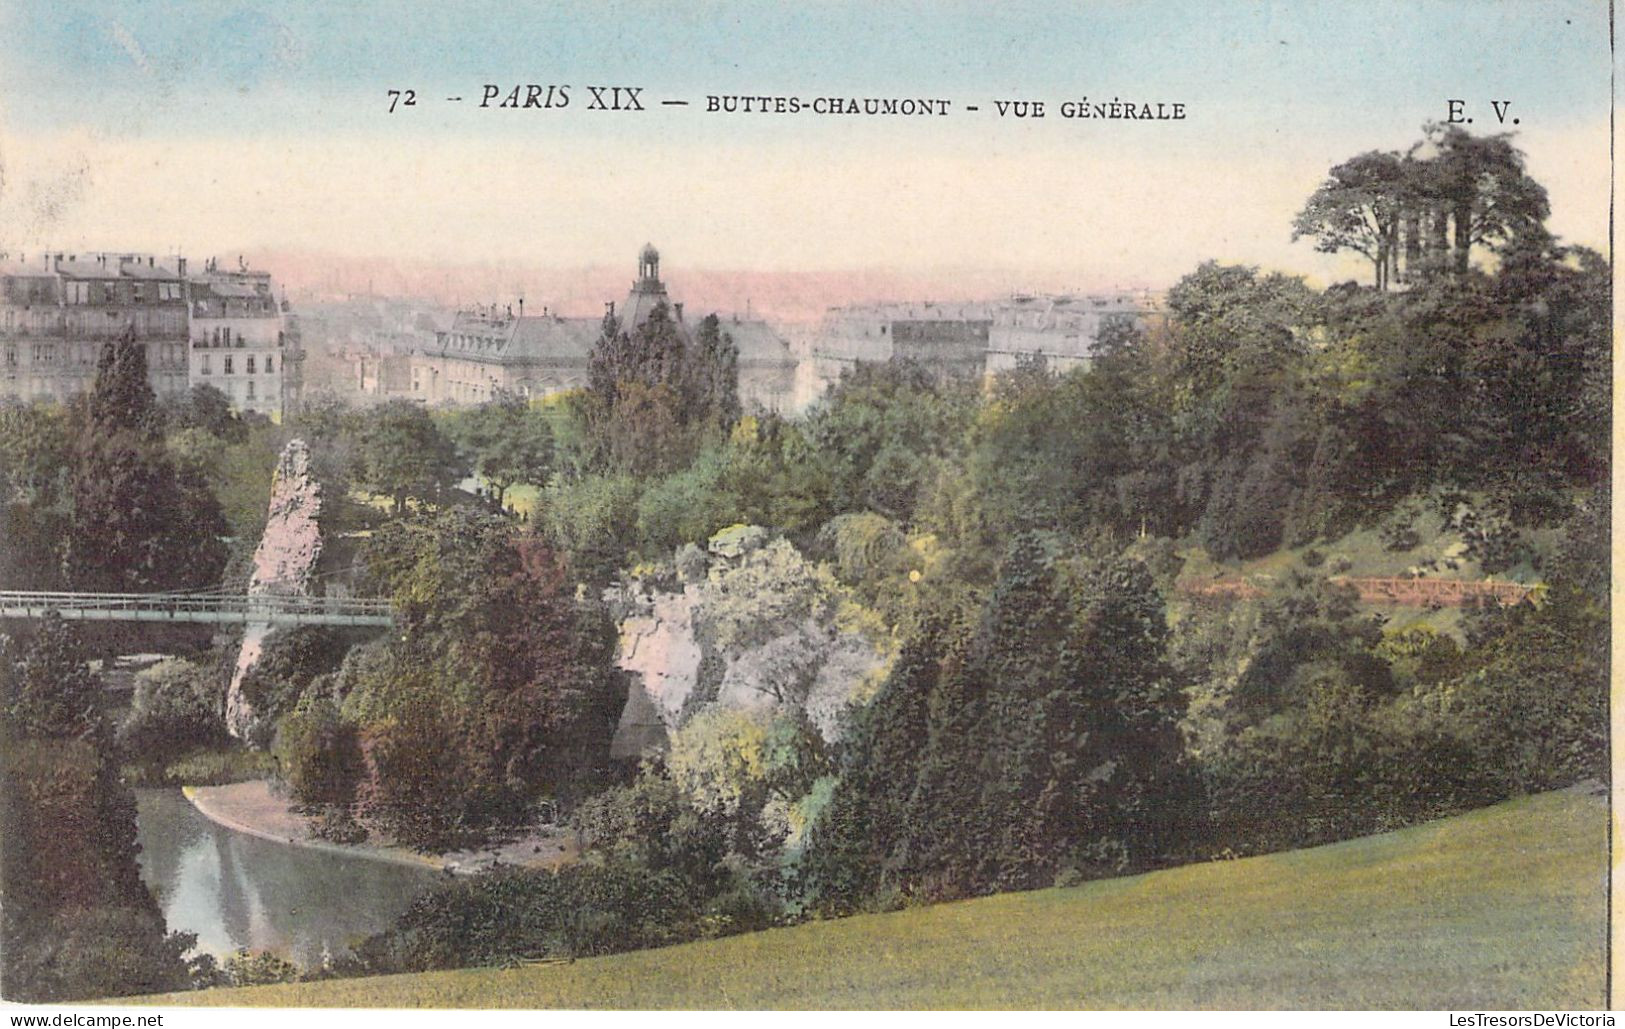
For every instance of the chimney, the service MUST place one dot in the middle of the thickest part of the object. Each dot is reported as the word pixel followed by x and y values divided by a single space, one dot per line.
pixel 609 308
pixel 679 308
pixel 180 266
pixel 521 307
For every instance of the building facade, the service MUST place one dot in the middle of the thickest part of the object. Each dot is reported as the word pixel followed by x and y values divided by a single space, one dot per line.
pixel 975 339
pixel 488 349
pixel 223 329
pixel 59 310
pixel 238 338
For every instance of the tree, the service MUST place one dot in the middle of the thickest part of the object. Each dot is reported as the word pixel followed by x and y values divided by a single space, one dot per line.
pixel 139 522
pixel 1432 205
pixel 404 455
pixel 1492 200
pixel 36 499
pixel 46 689
pixel 77 922
pixel 655 392
pixel 506 442
pixel 1359 208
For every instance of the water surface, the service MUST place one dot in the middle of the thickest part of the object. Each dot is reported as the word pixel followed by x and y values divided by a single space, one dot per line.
pixel 236 890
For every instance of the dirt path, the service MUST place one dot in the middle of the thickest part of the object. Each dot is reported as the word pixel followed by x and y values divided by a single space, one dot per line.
pixel 253 808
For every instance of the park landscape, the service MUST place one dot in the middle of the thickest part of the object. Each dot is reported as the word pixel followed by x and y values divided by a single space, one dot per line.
pixel 1259 662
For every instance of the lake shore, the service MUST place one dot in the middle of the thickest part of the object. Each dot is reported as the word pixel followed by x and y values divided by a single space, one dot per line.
pixel 254 808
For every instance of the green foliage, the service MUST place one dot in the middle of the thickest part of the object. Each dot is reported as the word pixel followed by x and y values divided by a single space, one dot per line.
pixel 687 506
pixel 506 441
pixel 77 920
pixel 653 823
pixel 257 969
pixel 290 660
pixel 403 455
pixel 771 591
pixel 1044 739
pixel 657 392
pixel 139 523
pixel 877 439
pixel 506 916
pixel 499 690
pixel 207 410
pixel 178 706
pixel 591 521
pixel 46 689
pixel 318 753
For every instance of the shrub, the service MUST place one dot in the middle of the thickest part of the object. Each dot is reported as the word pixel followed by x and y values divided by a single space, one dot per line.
pixel 178 706
pixel 319 753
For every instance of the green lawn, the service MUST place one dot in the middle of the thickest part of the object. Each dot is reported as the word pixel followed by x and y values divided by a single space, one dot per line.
pixel 1500 908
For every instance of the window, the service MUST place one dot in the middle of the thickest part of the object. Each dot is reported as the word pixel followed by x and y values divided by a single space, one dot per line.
pixel 44 353
pixel 11 357
pixel 169 291
pixel 227 360
pixel 251 387
pixel 78 292
pixel 225 337
pixel 250 367
pixel 203 366
pixel 268 368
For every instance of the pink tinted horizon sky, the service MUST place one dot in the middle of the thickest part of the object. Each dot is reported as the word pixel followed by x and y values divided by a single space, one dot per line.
pixel 582 290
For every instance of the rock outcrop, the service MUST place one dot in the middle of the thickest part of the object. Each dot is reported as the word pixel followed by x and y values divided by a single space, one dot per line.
pixel 284 562
pixel 784 654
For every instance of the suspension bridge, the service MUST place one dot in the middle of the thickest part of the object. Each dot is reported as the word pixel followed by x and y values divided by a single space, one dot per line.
pixel 207 607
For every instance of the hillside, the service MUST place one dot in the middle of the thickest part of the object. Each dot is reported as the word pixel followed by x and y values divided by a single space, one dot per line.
pixel 1500 908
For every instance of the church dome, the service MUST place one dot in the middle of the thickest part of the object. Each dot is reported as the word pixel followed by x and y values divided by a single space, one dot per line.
pixel 650 255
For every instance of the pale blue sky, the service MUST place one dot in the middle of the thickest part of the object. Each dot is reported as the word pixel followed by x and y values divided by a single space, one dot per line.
pixel 283 105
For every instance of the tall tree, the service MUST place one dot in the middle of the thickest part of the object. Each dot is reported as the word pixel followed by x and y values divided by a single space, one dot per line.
pixel 506 442
pixel 655 391
pixel 139 522
pixel 1493 201
pixel 403 454
pixel 1360 208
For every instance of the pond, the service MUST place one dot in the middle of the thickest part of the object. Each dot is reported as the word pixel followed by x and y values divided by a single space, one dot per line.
pixel 236 890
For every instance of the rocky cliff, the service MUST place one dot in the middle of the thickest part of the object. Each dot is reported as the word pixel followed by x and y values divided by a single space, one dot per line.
pixel 284 562
pixel 754 628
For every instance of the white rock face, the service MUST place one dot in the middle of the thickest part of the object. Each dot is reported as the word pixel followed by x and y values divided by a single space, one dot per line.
pixel 660 648
pixel 807 665
pixel 283 562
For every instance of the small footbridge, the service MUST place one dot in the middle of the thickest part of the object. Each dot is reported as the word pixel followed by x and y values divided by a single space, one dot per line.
pixel 206 607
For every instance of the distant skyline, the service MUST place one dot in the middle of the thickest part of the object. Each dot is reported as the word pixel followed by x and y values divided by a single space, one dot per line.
pixel 220 128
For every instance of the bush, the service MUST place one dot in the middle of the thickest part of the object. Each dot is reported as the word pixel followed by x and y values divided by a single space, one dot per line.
pixel 319 753
pixel 210 766
pixel 178 706
pixel 511 915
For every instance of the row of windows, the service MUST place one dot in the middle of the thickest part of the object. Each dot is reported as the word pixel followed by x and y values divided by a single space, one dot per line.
pixel 120 292
pixel 47 353
pixel 222 336
pixel 228 365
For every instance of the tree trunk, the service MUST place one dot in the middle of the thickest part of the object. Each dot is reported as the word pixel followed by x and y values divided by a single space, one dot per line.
pixel 1413 244
pixel 1464 235
pixel 1438 255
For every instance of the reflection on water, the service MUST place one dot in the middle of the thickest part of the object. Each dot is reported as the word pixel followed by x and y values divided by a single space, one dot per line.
pixel 235 890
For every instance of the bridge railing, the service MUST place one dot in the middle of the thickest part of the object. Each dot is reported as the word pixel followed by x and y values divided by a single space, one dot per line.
pixel 246 607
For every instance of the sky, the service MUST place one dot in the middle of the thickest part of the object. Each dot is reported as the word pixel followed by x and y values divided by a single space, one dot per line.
pixel 229 127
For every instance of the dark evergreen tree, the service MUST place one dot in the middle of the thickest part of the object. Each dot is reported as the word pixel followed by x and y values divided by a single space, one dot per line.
pixel 139 523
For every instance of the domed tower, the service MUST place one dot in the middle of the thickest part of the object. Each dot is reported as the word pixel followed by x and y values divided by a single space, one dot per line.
pixel 649 266
pixel 648 291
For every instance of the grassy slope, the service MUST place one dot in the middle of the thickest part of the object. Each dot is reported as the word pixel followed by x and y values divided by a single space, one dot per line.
pixel 1500 908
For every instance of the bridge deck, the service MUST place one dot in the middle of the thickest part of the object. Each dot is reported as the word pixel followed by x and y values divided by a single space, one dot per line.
pixel 183 607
